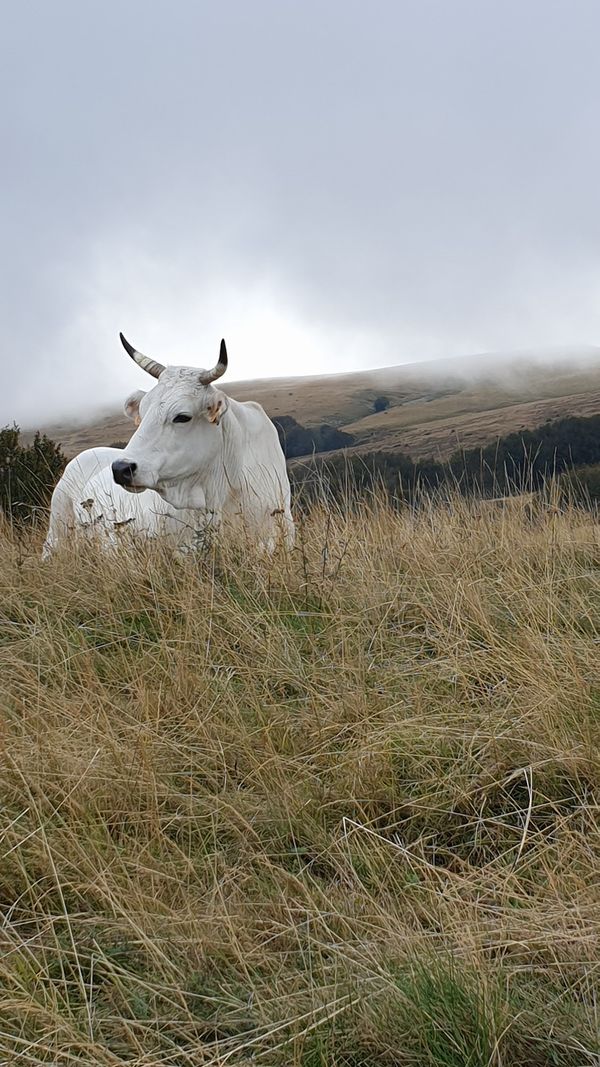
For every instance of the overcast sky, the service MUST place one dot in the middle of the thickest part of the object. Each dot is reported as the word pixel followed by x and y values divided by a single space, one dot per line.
pixel 330 185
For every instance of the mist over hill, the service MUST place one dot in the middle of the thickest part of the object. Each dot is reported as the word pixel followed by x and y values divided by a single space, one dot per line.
pixel 431 407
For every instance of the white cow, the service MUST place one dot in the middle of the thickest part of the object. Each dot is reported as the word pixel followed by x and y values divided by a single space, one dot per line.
pixel 198 448
pixel 89 502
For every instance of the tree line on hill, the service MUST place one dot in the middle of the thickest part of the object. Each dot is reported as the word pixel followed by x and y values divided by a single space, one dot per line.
pixel 567 448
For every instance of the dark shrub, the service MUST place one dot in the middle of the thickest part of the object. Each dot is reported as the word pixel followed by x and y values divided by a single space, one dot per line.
pixel 298 440
pixel 28 474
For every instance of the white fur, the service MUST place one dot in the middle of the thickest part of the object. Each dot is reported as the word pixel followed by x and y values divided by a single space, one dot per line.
pixel 87 501
pixel 226 461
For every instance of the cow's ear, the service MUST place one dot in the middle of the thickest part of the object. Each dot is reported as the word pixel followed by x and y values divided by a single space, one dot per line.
pixel 217 407
pixel 132 406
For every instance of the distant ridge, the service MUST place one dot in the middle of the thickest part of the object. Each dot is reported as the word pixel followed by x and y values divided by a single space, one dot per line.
pixel 434 406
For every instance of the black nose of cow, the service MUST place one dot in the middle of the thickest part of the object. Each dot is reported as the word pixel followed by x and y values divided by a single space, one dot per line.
pixel 123 471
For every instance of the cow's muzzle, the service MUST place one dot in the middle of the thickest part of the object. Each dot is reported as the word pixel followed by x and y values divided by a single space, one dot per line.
pixel 124 472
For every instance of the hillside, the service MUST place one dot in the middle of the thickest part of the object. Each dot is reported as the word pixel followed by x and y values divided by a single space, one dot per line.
pixel 470 418
pixel 336 809
pixel 433 407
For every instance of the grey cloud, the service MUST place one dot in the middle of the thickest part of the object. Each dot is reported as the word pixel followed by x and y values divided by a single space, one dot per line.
pixel 329 184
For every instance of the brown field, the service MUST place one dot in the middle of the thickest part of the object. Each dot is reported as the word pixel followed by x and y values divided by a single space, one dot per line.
pixel 338 810
pixel 434 408
pixel 466 420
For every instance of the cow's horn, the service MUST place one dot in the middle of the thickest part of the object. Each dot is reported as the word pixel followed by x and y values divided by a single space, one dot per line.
pixel 150 365
pixel 212 375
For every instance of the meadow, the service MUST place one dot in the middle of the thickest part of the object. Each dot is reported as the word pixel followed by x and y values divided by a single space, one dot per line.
pixel 337 809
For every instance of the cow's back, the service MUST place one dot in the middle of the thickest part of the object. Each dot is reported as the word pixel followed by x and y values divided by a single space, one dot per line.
pixel 106 506
pixel 86 465
pixel 67 492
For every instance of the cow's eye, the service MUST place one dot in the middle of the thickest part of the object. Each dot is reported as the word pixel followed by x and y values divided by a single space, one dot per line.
pixel 182 418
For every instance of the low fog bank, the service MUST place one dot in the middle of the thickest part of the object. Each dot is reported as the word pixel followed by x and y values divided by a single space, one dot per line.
pixel 516 371
pixel 499 368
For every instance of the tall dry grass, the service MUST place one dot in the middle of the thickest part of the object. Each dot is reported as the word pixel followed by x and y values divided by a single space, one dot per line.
pixel 336 809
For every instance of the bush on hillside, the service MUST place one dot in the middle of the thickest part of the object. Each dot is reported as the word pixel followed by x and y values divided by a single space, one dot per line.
pixel 381 403
pixel 298 440
pixel 28 474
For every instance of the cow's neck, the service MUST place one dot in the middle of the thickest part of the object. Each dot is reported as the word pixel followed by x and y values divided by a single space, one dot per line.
pixel 223 479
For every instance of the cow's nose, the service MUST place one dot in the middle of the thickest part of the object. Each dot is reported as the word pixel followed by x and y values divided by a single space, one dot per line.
pixel 123 471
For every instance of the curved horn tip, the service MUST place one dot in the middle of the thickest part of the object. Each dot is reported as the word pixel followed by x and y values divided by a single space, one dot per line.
pixel 223 352
pixel 128 348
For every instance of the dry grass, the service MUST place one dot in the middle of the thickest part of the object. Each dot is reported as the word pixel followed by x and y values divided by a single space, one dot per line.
pixel 335 811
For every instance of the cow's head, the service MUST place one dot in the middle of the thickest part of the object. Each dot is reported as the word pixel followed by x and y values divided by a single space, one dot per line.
pixel 179 436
